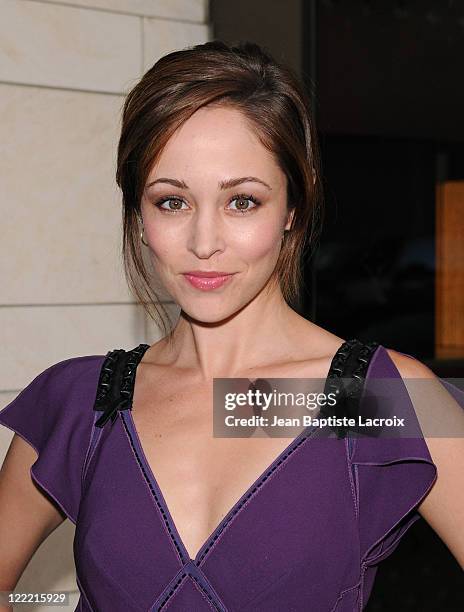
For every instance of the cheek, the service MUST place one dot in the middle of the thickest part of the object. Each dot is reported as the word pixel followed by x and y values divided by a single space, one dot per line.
pixel 257 243
pixel 164 242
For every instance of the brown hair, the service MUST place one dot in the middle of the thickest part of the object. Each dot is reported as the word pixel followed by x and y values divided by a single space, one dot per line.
pixel 274 101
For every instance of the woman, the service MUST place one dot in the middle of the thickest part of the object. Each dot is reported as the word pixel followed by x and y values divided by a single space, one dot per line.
pixel 219 171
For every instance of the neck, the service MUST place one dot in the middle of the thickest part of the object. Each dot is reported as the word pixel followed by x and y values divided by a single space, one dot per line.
pixel 264 331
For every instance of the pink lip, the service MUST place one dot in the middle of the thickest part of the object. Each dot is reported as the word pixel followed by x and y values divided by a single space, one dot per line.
pixel 207 283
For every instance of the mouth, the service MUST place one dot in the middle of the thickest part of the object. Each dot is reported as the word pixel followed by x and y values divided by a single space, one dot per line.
pixel 207 281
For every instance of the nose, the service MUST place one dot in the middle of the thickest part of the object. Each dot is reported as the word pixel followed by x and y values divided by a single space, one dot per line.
pixel 206 235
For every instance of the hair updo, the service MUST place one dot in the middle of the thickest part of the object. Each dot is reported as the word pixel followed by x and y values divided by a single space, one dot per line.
pixel 270 96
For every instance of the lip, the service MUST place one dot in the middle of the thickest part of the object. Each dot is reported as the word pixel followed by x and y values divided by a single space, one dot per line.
pixel 208 282
pixel 205 274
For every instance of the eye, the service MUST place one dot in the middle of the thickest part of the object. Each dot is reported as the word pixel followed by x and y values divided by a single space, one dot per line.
pixel 242 200
pixel 177 201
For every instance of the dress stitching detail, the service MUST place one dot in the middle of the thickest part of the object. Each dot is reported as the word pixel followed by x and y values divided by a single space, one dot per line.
pixel 252 492
pixel 165 603
pixel 342 594
pixel 206 596
pixel 167 600
pixel 350 477
pixel 153 492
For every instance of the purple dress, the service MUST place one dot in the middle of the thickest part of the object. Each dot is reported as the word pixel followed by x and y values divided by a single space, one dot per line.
pixel 307 535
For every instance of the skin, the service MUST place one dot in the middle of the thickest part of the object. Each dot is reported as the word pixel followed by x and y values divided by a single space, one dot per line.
pixel 210 233
pixel 259 334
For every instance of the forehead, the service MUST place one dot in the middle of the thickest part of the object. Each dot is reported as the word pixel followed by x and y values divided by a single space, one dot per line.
pixel 221 139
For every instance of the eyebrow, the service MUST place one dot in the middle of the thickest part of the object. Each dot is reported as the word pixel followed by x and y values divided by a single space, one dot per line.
pixel 222 184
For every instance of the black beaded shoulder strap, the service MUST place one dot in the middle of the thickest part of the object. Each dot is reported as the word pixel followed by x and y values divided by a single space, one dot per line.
pixel 346 379
pixel 116 383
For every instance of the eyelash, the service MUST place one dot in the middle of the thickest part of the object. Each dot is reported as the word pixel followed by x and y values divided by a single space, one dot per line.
pixel 238 196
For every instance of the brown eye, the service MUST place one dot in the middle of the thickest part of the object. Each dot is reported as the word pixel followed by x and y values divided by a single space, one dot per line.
pixel 243 203
pixel 177 205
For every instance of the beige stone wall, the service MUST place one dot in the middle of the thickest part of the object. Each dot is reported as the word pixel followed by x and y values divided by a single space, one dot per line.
pixel 65 66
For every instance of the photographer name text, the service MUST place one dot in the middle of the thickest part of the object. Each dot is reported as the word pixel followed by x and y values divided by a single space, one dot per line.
pixel 309 421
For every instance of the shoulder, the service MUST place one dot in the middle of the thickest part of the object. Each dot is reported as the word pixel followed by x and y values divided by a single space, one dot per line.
pixel 73 366
pixel 59 390
pixel 67 373
pixel 408 366
pixel 79 363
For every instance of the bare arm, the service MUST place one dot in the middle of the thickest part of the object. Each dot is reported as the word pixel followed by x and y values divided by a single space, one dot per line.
pixel 27 516
pixel 443 507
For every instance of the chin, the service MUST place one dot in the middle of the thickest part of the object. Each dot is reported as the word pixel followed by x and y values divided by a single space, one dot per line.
pixel 210 313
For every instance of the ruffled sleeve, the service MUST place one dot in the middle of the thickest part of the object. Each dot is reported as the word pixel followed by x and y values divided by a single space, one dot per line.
pixel 54 414
pixel 393 472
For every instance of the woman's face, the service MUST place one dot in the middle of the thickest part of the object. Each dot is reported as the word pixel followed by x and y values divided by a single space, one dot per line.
pixel 215 201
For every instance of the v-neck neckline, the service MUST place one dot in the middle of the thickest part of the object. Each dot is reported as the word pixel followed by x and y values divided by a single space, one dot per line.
pixel 234 510
pixel 256 486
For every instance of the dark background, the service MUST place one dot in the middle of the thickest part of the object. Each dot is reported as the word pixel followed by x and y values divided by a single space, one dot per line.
pixel 386 80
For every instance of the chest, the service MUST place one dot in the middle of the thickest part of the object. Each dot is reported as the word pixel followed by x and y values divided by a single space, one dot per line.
pixel 200 476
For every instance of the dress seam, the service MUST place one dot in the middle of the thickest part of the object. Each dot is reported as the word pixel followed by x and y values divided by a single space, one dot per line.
pixel 269 474
pixel 91 448
pixel 153 496
pixel 167 600
pixel 351 478
pixel 206 590
pixel 203 593
pixel 361 588
pixel 84 594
